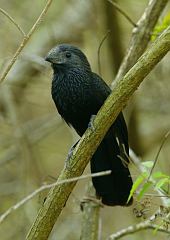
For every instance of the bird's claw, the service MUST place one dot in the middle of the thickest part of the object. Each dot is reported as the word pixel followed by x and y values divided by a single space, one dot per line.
pixel 67 161
pixel 90 124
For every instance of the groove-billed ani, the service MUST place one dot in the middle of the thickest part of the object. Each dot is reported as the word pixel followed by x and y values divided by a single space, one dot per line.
pixel 78 94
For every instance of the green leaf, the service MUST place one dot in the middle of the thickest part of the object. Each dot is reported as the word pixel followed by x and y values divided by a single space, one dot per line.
pixel 145 187
pixel 161 27
pixel 159 175
pixel 148 164
pixel 136 184
pixel 162 182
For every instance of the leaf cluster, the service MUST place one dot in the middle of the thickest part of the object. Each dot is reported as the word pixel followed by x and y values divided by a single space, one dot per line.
pixel 158 181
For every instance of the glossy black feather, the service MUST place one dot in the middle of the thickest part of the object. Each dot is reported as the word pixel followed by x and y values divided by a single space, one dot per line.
pixel 78 94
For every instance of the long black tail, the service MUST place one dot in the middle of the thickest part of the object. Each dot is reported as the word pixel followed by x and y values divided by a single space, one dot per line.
pixel 113 189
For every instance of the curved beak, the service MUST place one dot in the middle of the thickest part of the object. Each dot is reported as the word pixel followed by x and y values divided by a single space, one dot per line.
pixel 48 59
pixel 54 57
pixel 51 59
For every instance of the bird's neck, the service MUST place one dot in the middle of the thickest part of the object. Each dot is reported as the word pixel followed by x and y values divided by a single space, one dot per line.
pixel 72 83
pixel 71 75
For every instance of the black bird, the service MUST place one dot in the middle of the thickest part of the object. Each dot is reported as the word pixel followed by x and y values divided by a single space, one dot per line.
pixel 78 94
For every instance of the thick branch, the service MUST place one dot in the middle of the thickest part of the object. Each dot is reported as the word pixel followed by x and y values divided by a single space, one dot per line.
pixel 84 150
pixel 141 36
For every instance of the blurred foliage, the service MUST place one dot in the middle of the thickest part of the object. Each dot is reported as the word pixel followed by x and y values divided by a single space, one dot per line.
pixel 34 140
pixel 161 27
pixel 159 181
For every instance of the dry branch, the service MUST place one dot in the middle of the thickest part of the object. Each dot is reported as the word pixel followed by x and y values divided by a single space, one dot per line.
pixel 136 228
pixel 123 90
pixel 13 21
pixel 141 36
pixel 25 40
pixel 90 229
pixel 45 187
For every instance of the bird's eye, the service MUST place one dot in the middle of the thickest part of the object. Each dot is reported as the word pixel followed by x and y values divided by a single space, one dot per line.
pixel 68 54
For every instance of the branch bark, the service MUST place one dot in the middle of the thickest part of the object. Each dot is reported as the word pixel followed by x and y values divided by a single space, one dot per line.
pixel 91 215
pixel 148 224
pixel 88 144
pixel 141 36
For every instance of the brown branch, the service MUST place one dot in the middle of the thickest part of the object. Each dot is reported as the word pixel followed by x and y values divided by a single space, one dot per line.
pixel 88 144
pixel 141 36
pixel 25 40
pixel 90 229
pixel 13 21
pixel 45 187
pixel 146 225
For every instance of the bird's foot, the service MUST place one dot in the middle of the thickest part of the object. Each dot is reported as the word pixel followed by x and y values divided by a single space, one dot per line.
pixel 67 161
pixel 90 124
pixel 96 201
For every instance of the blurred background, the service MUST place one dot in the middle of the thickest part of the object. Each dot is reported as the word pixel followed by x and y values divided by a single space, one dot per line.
pixel 34 140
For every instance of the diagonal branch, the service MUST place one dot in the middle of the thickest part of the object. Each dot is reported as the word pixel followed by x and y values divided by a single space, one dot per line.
pixel 25 40
pixel 136 228
pixel 141 36
pixel 45 187
pixel 88 144
pixel 13 21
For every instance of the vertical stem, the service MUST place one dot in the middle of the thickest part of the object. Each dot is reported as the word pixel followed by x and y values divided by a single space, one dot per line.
pixel 91 215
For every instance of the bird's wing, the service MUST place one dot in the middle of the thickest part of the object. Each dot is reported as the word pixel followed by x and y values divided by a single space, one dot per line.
pixel 111 154
pixel 119 127
pixel 100 88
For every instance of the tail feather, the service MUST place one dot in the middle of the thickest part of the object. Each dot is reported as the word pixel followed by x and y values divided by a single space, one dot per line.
pixel 114 189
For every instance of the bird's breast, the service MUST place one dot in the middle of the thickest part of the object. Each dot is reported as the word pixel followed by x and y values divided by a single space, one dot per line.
pixel 73 100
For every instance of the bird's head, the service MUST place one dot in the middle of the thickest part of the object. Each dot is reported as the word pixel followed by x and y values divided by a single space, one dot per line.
pixel 67 56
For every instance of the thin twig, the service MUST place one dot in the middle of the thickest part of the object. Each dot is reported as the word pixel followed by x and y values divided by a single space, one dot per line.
pixel 157 155
pixel 98 51
pixel 136 228
pixel 25 40
pixel 47 186
pixel 13 21
pixel 117 7
pixel 148 224
pixel 155 195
